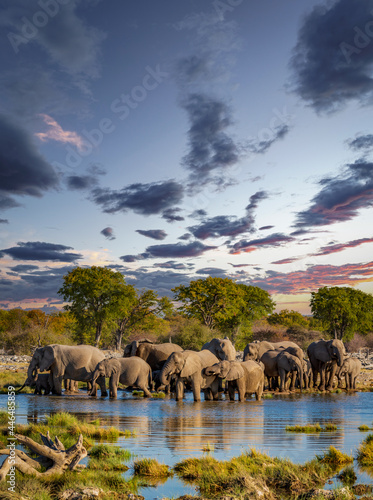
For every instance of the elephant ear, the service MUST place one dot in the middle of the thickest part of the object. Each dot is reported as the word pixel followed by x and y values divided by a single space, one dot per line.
pixel 192 365
pixel 47 358
pixel 235 372
pixel 134 346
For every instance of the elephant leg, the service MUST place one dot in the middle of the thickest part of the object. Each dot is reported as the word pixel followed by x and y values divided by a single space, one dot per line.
pixel 101 382
pixel 293 380
pixel 215 389
pixel 144 388
pixel 348 382
pixel 208 394
pixel 315 374
pixel 93 389
pixel 282 374
pixel 196 388
pixel 322 379
pixel 57 384
pixel 329 386
pixel 259 391
pixel 179 389
pixel 241 388
pixel 231 391
pixel 113 387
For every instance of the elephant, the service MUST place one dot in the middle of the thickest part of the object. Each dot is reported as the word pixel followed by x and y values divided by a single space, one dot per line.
pixel 222 348
pixel 156 354
pixel 307 373
pixel 71 385
pixel 246 376
pixel 130 349
pixel 132 371
pixel 279 364
pixel 42 382
pixel 255 350
pixel 187 366
pixel 349 371
pixel 66 362
pixel 321 354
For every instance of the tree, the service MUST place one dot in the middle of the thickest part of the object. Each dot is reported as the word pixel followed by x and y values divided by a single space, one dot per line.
pixel 94 294
pixel 343 311
pixel 222 304
pixel 136 308
pixel 287 318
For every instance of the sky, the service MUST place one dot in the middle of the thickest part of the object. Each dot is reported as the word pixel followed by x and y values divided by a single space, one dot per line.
pixel 171 141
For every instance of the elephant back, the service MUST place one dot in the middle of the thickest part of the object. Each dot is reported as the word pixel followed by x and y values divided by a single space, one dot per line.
pixel 207 358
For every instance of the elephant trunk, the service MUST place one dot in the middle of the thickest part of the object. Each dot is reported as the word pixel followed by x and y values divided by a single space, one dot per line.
pixel 165 374
pixel 300 375
pixel 340 358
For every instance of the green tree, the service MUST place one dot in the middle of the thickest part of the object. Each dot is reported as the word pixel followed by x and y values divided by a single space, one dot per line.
pixel 343 311
pixel 287 318
pixel 137 308
pixel 224 305
pixel 94 294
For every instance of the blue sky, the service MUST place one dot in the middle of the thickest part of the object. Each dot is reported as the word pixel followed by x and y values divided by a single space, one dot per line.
pixel 175 140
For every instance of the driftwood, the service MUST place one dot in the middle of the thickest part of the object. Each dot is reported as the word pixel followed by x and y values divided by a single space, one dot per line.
pixel 52 456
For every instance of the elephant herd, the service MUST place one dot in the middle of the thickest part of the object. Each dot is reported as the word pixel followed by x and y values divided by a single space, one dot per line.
pixel 148 366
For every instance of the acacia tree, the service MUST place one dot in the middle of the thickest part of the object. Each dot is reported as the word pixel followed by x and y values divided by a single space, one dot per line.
pixel 221 303
pixel 94 294
pixel 135 308
pixel 343 311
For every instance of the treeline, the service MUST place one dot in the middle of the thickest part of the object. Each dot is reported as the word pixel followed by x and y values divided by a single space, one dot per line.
pixel 103 310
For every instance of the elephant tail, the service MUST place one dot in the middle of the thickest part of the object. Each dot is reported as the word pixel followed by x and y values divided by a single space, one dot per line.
pixel 150 379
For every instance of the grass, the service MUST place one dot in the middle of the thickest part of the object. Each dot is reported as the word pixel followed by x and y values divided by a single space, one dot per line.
pixel 107 457
pixel 151 467
pixel 16 379
pixel 348 476
pixel 310 428
pixel 138 394
pixel 364 428
pixel 159 395
pixel 335 458
pixel 365 452
pixel 208 447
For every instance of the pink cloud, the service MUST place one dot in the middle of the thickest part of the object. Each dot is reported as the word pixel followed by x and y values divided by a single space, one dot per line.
pixel 56 133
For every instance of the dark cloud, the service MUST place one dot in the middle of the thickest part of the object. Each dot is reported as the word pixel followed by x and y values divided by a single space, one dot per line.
pixel 197 214
pixel 172 264
pixel 38 250
pixel 262 146
pixel 39 284
pixel 212 271
pixel 339 247
pixel 341 197
pixel 210 147
pixel 176 250
pixel 238 265
pixel 80 182
pixel 108 232
pixel 263 228
pixel 273 240
pixel 333 57
pixel 185 237
pixel 155 234
pixel 223 225
pixel 362 142
pixel 144 199
pixel 160 281
pixel 24 268
pixel 4 221
pixel 170 215
pixel 285 261
pixel 23 170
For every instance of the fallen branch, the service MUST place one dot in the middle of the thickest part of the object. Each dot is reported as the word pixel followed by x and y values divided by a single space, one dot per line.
pixel 52 456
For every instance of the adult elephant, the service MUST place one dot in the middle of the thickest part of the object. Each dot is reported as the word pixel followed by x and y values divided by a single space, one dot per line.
pixel 280 364
pixel 325 354
pixel 255 350
pixel 247 377
pixel 222 348
pixel 187 366
pixel 132 371
pixel 349 371
pixel 130 349
pixel 156 354
pixel 66 362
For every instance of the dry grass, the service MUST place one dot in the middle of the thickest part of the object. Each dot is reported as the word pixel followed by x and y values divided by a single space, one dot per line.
pixel 151 467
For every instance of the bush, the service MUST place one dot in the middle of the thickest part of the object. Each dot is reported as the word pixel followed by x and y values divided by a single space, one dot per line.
pixel 188 333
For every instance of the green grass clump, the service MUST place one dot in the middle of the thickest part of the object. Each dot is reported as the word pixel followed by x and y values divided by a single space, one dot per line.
pixel 138 394
pixel 208 447
pixel 334 457
pixel 107 457
pixel 4 417
pixel 61 419
pixel 364 428
pixel 365 452
pixel 311 428
pixel 159 395
pixel 151 467
pixel 348 476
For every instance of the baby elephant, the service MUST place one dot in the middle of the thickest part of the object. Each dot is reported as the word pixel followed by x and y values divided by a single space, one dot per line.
pixel 43 383
pixel 247 377
pixel 132 371
pixel 349 371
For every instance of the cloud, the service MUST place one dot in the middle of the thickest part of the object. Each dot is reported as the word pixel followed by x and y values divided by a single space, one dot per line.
pixel 23 170
pixel 285 261
pixel 173 250
pixel 24 268
pixel 172 264
pixel 56 133
pixel 185 236
pixel 155 234
pixel 238 265
pixel 339 247
pixel 4 221
pixel 210 147
pixel 333 57
pixel 262 146
pixel 38 250
pixel 212 271
pixel 315 277
pixel 224 225
pixel 362 142
pixel 273 240
pixel 170 215
pixel 341 197
pixel 144 199
pixel 80 182
pixel 108 232
pixel 263 228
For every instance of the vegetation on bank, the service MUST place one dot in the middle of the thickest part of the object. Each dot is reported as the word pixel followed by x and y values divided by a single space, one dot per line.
pixel 328 427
